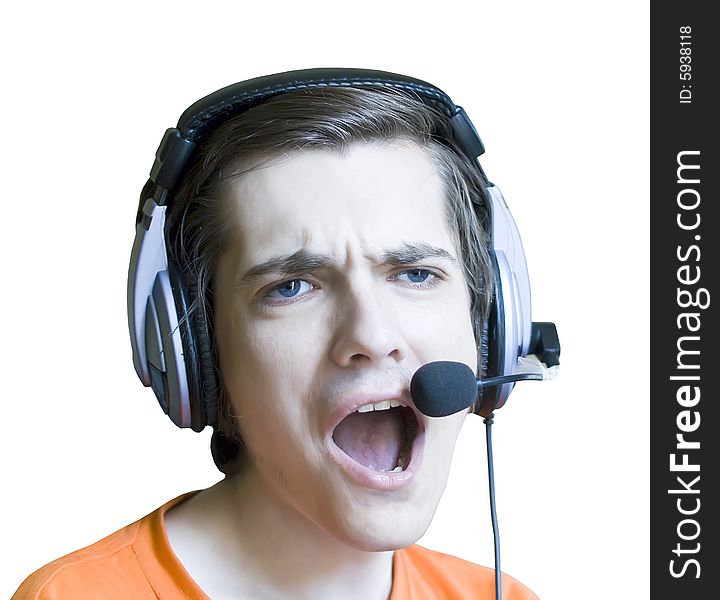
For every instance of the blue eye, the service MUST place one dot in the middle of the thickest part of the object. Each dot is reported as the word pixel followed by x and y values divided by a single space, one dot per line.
pixel 419 278
pixel 288 290
pixel 417 275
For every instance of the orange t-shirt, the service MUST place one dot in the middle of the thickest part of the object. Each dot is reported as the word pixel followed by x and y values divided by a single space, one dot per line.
pixel 138 563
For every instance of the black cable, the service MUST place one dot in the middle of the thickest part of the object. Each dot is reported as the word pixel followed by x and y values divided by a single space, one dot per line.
pixel 493 381
pixel 493 513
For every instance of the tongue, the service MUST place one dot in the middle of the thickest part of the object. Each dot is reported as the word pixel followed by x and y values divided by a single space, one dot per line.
pixel 372 438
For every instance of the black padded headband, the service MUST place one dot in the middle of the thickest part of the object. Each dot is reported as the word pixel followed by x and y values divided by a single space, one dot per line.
pixel 178 143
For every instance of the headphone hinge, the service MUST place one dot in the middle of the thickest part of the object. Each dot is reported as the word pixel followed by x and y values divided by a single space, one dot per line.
pixel 170 159
pixel 466 134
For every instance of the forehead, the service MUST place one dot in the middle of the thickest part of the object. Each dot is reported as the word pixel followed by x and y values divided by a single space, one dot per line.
pixel 374 196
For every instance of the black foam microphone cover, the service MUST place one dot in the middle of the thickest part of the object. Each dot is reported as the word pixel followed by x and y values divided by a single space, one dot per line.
pixel 443 388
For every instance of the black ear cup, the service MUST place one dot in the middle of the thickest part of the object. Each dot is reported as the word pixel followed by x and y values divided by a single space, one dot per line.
pixel 198 351
pixel 208 383
pixel 493 351
pixel 483 348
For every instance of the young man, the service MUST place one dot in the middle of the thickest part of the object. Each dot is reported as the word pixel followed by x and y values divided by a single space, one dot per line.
pixel 326 236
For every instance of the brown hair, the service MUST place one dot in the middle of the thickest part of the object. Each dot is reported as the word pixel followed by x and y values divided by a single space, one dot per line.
pixel 328 119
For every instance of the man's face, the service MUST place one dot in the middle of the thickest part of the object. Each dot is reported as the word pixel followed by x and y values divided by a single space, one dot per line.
pixel 339 279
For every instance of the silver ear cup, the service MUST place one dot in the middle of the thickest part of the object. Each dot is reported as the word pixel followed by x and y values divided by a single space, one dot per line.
pixel 152 317
pixel 175 391
pixel 512 299
pixel 147 259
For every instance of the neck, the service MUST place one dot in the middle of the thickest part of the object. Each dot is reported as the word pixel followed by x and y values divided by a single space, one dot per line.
pixel 239 539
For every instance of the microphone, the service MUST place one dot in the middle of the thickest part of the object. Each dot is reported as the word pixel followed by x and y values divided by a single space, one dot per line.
pixel 442 388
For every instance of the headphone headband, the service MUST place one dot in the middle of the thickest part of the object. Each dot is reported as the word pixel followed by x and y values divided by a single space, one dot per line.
pixel 204 115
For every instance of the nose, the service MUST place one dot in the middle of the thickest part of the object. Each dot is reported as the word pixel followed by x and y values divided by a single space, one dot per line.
pixel 366 330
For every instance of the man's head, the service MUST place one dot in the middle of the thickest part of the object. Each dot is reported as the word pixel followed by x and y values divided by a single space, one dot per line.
pixel 331 119
pixel 336 241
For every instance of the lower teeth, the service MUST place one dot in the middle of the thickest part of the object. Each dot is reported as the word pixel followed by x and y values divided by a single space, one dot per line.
pixel 401 464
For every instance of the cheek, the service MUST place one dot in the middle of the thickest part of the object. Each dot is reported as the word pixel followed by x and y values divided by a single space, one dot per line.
pixel 255 355
pixel 447 429
pixel 442 437
pixel 461 331
pixel 444 333
pixel 285 353
pixel 268 371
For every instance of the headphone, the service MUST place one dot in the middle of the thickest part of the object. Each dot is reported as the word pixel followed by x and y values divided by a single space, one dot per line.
pixel 171 346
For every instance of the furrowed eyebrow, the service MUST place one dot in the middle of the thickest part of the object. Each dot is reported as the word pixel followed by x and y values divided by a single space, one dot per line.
pixel 302 261
pixel 296 263
pixel 413 253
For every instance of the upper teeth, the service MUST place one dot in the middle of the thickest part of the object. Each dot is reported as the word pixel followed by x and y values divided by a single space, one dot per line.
pixel 382 405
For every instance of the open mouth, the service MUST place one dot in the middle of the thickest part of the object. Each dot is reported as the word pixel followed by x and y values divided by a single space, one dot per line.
pixel 378 436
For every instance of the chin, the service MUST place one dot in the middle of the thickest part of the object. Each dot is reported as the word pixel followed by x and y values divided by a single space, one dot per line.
pixel 384 541
pixel 380 535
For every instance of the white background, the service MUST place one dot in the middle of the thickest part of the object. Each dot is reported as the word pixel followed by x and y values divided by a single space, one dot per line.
pixel 559 93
